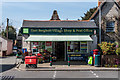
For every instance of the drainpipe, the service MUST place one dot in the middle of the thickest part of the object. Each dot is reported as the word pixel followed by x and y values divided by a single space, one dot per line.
pixel 100 23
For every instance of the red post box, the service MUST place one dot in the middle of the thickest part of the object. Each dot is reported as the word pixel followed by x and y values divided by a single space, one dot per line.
pixel 95 52
pixel 30 60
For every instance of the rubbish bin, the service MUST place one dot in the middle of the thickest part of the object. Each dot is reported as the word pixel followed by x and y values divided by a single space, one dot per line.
pixel 95 52
pixel 97 60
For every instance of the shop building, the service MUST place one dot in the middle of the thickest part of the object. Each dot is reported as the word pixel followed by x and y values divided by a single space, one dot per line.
pixel 61 37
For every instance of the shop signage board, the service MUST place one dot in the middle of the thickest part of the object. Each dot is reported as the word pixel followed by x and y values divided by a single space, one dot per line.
pixel 77 56
pixel 59 31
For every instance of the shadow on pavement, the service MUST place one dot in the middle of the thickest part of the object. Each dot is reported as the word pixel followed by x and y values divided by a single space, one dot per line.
pixel 5 67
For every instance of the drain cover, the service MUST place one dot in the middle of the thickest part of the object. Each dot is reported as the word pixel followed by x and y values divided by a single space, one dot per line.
pixel 7 77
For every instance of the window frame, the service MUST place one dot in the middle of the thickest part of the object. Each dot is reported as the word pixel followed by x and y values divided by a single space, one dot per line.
pixel 110 26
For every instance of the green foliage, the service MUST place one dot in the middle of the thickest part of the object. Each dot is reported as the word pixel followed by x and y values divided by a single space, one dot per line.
pixel 89 13
pixel 118 51
pixel 3 33
pixel 19 33
pixel 107 48
pixel 11 33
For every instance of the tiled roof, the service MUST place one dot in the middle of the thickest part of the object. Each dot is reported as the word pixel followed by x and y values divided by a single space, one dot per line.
pixel 102 4
pixel 59 23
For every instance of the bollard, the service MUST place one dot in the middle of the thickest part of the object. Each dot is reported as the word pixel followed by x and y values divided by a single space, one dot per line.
pixel 50 60
pixel 68 60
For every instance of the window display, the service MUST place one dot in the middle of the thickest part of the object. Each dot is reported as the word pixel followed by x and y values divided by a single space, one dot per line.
pixel 76 47
pixel 73 46
pixel 83 47
pixel 76 50
pixel 42 48
pixel 48 46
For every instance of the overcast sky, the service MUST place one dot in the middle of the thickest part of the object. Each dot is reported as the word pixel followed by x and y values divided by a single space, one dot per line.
pixel 19 11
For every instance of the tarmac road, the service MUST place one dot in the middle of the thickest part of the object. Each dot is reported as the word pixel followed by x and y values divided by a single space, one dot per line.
pixel 64 75
pixel 7 63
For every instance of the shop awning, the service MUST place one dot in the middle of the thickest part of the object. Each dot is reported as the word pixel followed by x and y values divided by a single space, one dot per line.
pixel 59 38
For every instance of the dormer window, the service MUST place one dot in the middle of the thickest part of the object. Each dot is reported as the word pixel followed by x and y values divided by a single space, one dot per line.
pixel 110 26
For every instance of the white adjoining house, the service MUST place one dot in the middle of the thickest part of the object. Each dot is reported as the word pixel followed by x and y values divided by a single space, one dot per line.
pixel 6 46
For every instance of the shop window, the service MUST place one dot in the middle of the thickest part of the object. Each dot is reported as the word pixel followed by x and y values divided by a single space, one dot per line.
pixel 39 45
pixel 73 46
pixel 83 47
pixel 110 26
pixel 35 50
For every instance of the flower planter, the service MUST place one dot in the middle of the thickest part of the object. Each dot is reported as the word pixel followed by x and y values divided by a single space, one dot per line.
pixel 110 60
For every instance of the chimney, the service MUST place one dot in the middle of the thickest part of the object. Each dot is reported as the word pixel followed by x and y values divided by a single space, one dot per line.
pixel 99 2
pixel 55 15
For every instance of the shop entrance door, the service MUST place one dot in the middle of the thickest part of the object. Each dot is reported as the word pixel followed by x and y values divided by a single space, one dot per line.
pixel 59 50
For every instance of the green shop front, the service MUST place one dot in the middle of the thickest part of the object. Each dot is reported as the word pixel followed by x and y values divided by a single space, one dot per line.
pixel 61 41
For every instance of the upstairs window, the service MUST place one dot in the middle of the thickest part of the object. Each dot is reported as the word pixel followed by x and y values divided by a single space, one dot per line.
pixel 110 27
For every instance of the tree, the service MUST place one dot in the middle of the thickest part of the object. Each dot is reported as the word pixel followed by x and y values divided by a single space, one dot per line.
pixel 11 33
pixel 19 33
pixel 89 13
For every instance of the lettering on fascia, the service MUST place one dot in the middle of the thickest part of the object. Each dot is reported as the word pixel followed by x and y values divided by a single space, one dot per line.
pixel 74 30
pixel 57 30
pixel 67 30
pixel 79 30
pixel 83 30
pixel 87 30
pixel 34 30
pixel 44 30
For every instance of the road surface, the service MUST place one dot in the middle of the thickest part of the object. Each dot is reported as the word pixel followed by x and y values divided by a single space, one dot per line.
pixel 71 75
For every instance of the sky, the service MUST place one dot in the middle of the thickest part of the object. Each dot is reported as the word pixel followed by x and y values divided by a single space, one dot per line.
pixel 19 11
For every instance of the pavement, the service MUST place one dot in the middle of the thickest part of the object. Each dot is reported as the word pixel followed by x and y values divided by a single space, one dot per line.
pixel 58 72
pixel 47 67
pixel 10 62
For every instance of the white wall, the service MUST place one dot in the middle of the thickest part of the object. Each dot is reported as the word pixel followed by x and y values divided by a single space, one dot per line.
pixel 24 43
pixel 9 47
pixel 4 44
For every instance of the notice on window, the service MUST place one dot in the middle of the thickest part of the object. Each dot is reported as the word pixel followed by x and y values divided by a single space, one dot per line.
pixel 35 43
pixel 48 46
